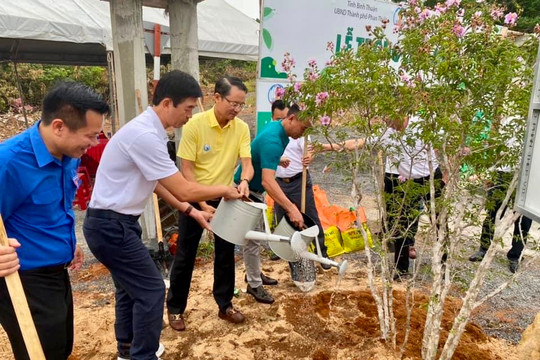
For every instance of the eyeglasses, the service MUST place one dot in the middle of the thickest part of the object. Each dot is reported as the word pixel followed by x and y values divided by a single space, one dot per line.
pixel 234 104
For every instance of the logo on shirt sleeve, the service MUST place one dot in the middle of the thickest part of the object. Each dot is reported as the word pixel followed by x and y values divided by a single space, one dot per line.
pixel 206 148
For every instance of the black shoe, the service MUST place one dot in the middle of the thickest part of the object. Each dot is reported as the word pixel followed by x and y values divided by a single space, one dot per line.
pixel 478 256
pixel 260 294
pixel 401 275
pixel 326 266
pixel 265 280
pixel 513 265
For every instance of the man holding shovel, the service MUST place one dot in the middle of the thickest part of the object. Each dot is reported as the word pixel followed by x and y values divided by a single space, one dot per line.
pixel 38 178
pixel 136 163
pixel 266 151
pixel 295 180
pixel 210 147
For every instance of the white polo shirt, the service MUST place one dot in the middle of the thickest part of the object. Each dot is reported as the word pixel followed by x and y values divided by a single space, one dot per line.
pixel 294 152
pixel 134 160
pixel 412 157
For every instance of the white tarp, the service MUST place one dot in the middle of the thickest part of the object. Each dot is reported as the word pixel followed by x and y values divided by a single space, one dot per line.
pixel 223 30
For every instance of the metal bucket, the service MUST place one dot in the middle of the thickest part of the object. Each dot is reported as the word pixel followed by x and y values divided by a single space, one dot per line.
pixel 286 228
pixel 234 218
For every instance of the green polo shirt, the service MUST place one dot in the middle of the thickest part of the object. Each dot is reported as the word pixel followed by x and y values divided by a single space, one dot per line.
pixel 266 151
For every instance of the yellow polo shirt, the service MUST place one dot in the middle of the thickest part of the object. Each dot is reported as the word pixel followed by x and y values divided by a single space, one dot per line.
pixel 214 150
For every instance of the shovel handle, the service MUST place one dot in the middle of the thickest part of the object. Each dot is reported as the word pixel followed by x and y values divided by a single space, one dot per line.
pixel 20 305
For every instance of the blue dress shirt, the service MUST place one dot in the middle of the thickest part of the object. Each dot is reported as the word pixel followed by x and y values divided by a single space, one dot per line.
pixel 37 192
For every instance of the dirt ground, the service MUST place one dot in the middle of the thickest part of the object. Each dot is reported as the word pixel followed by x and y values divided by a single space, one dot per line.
pixel 336 320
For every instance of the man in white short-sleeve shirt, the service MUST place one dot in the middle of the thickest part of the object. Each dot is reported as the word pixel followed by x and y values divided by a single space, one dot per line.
pixel 136 163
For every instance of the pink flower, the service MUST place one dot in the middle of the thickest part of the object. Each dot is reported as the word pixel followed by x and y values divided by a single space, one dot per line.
pixel 440 8
pixel 404 77
pixel 461 12
pixel 341 113
pixel 325 120
pixel 478 14
pixel 297 86
pixel 450 3
pixel 330 46
pixel 312 76
pixel 312 62
pixel 279 92
pixel 510 19
pixel 496 14
pixel 302 106
pixel 459 30
pixel 425 14
pixel 321 98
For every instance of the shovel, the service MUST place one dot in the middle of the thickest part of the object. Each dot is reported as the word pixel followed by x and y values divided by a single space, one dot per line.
pixel 20 305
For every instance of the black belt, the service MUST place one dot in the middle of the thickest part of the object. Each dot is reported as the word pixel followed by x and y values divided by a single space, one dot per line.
pixel 110 214
pixel 292 178
pixel 47 269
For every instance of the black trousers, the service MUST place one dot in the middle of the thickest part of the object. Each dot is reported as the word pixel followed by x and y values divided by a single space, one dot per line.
pixel 403 208
pixel 182 270
pixel 48 292
pixel 140 291
pixel 494 200
pixel 293 190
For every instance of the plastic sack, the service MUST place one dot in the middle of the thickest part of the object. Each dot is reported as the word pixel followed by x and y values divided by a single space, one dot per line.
pixel 332 240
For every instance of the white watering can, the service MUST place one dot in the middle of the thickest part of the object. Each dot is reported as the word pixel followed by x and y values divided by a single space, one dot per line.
pixel 234 221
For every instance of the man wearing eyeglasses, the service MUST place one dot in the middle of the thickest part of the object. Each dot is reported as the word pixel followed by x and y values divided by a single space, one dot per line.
pixel 212 142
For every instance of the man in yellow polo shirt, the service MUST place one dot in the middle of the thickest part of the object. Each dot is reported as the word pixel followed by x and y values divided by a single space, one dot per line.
pixel 212 142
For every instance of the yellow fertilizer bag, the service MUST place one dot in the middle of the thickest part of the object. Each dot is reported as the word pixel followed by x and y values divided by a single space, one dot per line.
pixel 332 240
pixel 354 241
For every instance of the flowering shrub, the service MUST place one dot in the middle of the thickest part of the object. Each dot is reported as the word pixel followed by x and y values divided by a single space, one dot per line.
pixel 469 83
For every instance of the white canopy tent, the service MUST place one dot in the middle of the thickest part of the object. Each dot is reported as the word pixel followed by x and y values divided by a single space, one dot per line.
pixel 79 31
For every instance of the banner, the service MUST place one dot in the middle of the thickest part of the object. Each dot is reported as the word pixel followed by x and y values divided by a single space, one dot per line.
pixel 304 28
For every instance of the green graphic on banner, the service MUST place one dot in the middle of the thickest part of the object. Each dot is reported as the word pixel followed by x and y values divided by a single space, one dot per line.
pixel 268 69
pixel 263 118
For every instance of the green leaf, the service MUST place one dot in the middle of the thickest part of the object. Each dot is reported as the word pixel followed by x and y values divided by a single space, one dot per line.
pixel 267 39
pixel 267 12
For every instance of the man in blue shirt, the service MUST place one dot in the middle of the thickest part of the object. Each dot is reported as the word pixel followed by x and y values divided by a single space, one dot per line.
pixel 38 178
pixel 266 151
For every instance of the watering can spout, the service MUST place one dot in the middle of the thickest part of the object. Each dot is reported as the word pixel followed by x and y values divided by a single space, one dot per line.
pixel 299 244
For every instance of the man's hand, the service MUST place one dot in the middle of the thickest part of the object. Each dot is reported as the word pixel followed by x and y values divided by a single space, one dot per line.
pixel 284 162
pixel 207 208
pixel 296 218
pixel 243 188
pixel 232 193
pixel 9 262
pixel 202 217
pixel 78 259
pixel 306 160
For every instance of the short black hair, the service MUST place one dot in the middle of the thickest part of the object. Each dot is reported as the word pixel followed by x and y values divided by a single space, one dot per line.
pixel 69 101
pixel 278 104
pixel 177 86
pixel 294 109
pixel 223 85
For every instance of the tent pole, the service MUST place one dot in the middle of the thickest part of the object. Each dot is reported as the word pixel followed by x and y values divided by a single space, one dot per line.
pixel 21 95
pixel 112 89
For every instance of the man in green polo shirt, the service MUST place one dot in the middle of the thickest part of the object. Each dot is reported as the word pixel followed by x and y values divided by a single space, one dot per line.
pixel 266 151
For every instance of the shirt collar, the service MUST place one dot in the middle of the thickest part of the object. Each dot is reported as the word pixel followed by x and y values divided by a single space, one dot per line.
pixel 212 120
pixel 282 135
pixel 156 122
pixel 42 154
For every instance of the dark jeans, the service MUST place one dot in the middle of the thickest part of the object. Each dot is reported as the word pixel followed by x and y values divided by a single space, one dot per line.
pixel 182 270
pixel 51 304
pixel 140 291
pixel 403 202
pixel 494 200
pixel 293 190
